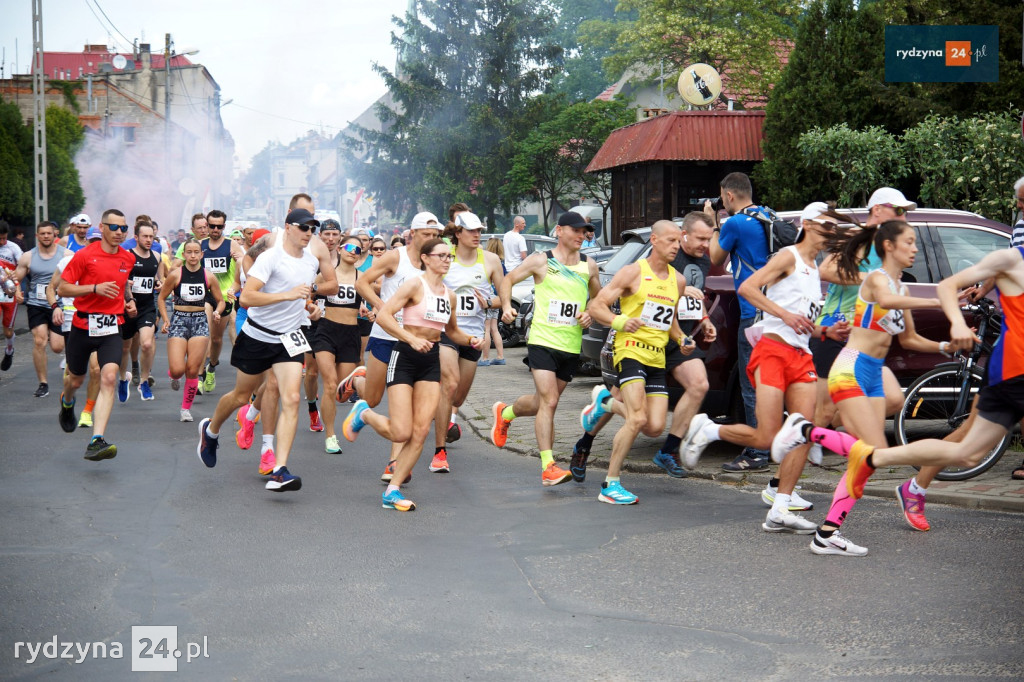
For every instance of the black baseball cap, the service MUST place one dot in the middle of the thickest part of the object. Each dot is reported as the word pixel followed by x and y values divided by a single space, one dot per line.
pixel 300 216
pixel 571 219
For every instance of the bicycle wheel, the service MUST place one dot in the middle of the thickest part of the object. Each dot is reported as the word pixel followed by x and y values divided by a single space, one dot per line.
pixel 929 411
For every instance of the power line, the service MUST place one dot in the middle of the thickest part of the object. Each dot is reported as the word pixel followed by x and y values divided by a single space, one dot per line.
pixel 102 25
pixel 127 39
pixel 285 118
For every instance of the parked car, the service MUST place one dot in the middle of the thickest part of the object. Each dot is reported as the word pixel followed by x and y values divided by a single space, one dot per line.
pixel 948 241
pixel 534 242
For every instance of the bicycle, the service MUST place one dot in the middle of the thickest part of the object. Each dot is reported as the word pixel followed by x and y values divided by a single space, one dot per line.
pixel 939 401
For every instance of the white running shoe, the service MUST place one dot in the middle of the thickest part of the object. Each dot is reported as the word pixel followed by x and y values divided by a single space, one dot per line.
pixel 796 503
pixel 789 437
pixel 186 416
pixel 788 523
pixel 695 441
pixel 815 454
pixel 836 544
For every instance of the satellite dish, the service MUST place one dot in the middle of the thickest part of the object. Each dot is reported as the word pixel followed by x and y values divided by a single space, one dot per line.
pixel 119 61
pixel 700 84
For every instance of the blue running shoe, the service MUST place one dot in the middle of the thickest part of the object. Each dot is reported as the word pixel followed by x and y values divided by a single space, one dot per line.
pixel 207 448
pixel 122 388
pixel 395 500
pixel 145 391
pixel 282 480
pixel 595 410
pixel 614 493
pixel 667 462
pixel 354 421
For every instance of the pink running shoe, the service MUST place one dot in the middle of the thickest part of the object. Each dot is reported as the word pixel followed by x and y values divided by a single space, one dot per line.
pixel 267 462
pixel 913 507
pixel 246 428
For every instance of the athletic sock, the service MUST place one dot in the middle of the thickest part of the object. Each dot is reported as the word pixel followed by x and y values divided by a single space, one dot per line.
pixel 672 443
pixel 842 503
pixel 915 489
pixel 191 386
pixel 96 437
pixel 65 403
pixel 252 413
pixel 89 404
pixel 391 489
pixel 546 459
pixel 774 483
pixel 10 345
pixel 611 479
pixel 438 450
pixel 454 418
pixel 508 414
pixel 312 405
pixel 870 461
pixel 712 431
pixel 210 433
pixel 268 443
pixel 836 441
pixel 586 441
pixel 781 505
pixel 825 533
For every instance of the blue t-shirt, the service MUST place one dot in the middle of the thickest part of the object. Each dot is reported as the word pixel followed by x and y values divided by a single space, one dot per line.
pixel 743 237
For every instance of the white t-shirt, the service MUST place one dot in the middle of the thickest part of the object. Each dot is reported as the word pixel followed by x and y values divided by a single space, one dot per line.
pixel 515 245
pixel 280 272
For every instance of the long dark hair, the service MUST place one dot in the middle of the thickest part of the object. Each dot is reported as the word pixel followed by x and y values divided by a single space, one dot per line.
pixel 848 246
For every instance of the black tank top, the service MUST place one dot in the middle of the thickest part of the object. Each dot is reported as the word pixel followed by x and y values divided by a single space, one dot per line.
pixel 191 290
pixel 143 280
pixel 347 297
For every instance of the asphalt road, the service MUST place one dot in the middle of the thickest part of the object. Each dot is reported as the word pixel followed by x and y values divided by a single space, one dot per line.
pixel 492 577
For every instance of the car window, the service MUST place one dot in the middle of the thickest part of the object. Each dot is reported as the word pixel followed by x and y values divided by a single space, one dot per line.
pixel 534 245
pixel 965 246
pixel 629 253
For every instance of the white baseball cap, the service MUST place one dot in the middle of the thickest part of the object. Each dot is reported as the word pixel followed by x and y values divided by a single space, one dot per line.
pixel 893 197
pixel 817 212
pixel 421 221
pixel 468 221
pixel 80 219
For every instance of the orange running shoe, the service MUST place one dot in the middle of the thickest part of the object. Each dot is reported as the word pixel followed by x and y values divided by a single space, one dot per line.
pixel 554 475
pixel 857 470
pixel 439 465
pixel 389 473
pixel 347 385
pixel 499 431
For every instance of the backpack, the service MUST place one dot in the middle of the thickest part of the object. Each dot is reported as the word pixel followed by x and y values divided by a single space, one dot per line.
pixel 779 233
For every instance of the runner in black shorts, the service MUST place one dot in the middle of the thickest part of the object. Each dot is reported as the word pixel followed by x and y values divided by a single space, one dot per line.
pixel 148 271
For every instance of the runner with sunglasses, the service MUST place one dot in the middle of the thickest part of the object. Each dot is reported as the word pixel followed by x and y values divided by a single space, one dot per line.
pixel 366 315
pixel 219 257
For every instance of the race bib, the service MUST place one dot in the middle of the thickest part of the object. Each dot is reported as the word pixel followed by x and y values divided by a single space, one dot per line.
pixel 322 304
pixel 437 309
pixel 563 313
pixel 142 285
pixel 41 292
pixel 689 309
pixel 656 315
pixel 102 325
pixel 193 292
pixel 346 295
pixel 465 305
pixel 218 265
pixel 811 308
pixel 892 322
pixel 295 343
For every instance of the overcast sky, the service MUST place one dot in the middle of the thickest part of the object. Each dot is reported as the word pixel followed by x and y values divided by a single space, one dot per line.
pixel 300 59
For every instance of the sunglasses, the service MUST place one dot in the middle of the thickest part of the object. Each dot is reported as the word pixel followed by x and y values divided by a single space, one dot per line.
pixel 115 228
pixel 898 210
pixel 352 248
pixel 216 227
pixel 378 248
pixel 304 228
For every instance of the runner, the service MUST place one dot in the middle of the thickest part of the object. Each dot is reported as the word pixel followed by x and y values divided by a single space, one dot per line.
pixel 780 368
pixel 276 290
pixel 97 278
pixel 10 292
pixel 414 370
pixel 395 267
pixel 564 280
pixel 472 273
pixel 219 255
pixel 366 315
pixel 648 292
pixel 148 270
pixel 336 340
pixel 39 264
pixel 491 332
pixel 76 239
pixel 188 333
pixel 855 380
pixel 134 347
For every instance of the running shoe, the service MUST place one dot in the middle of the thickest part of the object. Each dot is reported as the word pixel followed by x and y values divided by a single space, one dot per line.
pixel 578 463
pixel 331 446
pixel 5 364
pixel 499 430
pixel 122 388
pixel 66 416
pixel 145 391
pixel 389 473
pixel 553 475
pixel 210 381
pixel 136 373
pixel 815 454
pixel 347 387
pixel 789 437
pixel 788 523
pixel 100 449
pixel 43 390
pixel 207 447
pixel 175 382
pixel 395 500
pixel 695 441
pixel 614 493
pixel 439 464
pixel 913 507
pixel 246 429
pixel 354 422
pixel 499 361
pixel 85 421
pixel 184 415
pixel 745 463
pixel 453 434
pixel 593 412
pixel 857 470
pixel 836 544
pixel 668 462
pixel 483 363
pixel 267 462
pixel 315 424
pixel 283 481
pixel 796 503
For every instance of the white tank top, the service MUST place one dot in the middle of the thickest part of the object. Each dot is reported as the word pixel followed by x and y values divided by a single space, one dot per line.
pixel 464 280
pixel 390 285
pixel 799 293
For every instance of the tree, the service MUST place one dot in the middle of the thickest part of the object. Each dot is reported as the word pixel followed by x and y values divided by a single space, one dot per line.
pixel 852 163
pixel 16 203
pixel 64 137
pixel 740 38
pixel 587 31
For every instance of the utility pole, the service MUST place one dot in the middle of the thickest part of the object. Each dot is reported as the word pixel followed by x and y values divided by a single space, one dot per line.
pixel 39 113
pixel 167 103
